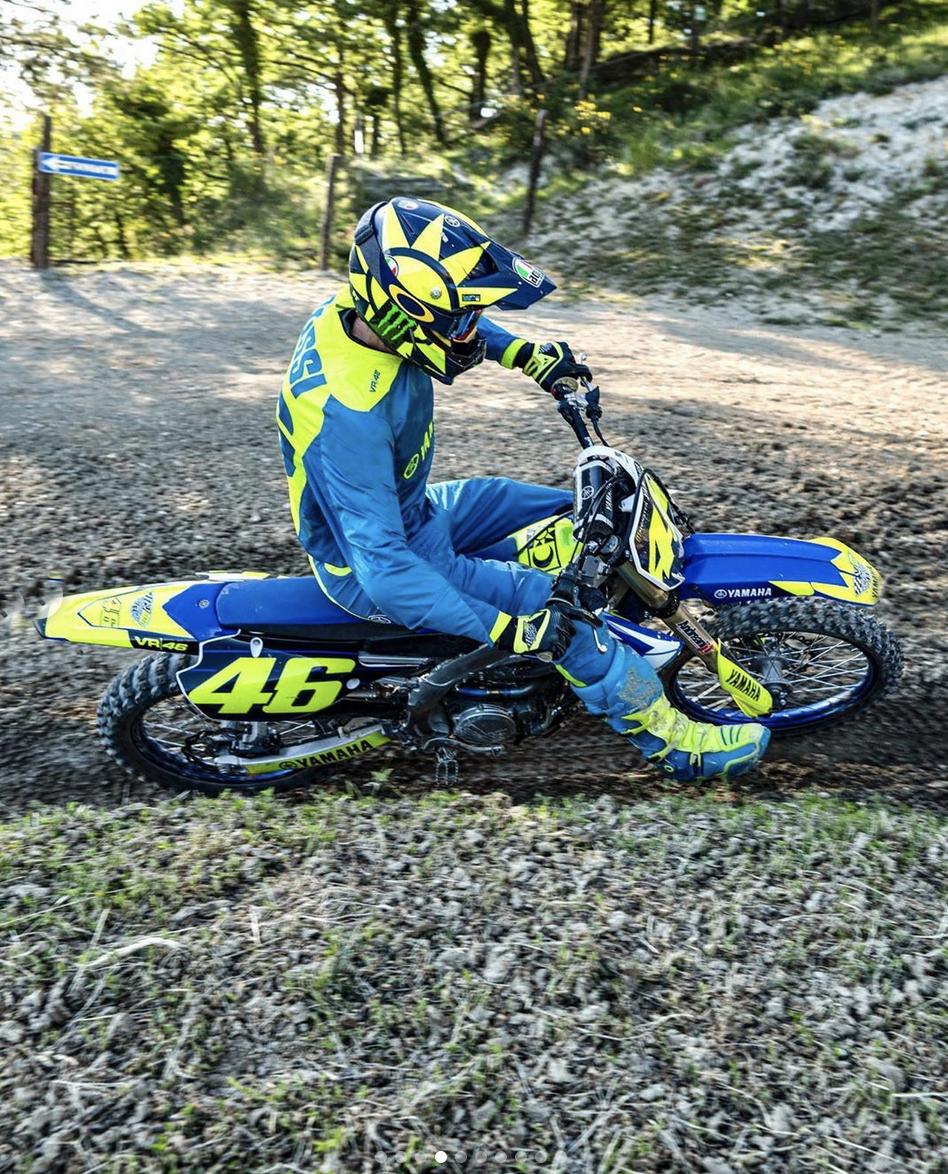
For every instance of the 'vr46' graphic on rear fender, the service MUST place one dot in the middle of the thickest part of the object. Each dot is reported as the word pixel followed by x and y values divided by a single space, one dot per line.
pixel 266 686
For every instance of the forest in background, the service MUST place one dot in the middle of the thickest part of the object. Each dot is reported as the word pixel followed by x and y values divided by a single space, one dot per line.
pixel 224 127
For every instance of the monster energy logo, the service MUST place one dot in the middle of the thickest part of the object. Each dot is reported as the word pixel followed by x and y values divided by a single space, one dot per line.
pixel 394 326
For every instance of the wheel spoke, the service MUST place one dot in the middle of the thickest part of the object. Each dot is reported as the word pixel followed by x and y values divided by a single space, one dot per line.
pixel 803 669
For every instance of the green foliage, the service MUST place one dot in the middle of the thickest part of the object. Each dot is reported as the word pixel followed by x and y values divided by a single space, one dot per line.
pixel 224 127
pixel 678 108
pixel 16 159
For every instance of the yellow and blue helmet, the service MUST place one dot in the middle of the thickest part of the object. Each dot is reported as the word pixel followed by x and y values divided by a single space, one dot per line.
pixel 421 275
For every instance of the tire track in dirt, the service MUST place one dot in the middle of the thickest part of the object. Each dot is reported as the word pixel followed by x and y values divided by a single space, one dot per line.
pixel 137 442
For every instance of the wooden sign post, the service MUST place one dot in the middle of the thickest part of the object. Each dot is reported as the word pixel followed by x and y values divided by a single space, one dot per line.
pixel 39 245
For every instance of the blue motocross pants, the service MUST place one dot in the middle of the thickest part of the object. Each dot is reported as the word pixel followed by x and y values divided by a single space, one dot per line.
pixel 467 541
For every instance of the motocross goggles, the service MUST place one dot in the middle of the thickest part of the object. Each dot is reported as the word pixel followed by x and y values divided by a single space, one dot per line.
pixel 456 327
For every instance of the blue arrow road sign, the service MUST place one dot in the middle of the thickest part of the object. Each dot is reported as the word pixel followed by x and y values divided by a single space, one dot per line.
pixel 54 164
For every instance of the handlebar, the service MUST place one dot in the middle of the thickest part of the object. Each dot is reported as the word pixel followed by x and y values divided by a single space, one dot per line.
pixel 576 402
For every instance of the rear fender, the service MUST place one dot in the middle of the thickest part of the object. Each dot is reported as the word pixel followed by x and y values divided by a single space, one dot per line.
pixel 159 617
pixel 735 568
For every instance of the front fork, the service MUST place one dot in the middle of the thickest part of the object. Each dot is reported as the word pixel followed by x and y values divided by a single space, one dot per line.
pixel 750 696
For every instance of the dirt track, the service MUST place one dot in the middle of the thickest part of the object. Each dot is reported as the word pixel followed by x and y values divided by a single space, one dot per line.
pixel 137 443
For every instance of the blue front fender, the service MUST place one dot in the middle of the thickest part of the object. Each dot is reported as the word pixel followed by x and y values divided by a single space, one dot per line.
pixel 734 568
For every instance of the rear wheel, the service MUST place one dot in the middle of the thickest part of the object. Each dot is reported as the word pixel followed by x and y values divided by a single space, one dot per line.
pixel 155 734
pixel 822 661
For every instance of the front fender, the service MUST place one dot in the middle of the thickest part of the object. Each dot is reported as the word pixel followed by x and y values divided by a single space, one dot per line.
pixel 734 568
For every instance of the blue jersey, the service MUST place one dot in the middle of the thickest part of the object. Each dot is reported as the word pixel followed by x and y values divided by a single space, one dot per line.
pixel 357 434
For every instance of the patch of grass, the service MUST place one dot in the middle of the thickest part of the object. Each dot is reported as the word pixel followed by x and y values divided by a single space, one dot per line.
pixel 809 173
pixel 860 260
pixel 742 168
pixel 331 1006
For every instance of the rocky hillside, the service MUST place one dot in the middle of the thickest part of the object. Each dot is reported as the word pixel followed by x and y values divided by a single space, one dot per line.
pixel 836 217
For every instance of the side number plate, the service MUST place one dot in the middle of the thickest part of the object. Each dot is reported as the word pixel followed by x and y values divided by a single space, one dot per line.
pixel 282 685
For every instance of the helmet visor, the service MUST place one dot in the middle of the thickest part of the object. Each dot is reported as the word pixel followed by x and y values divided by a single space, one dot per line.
pixel 459 327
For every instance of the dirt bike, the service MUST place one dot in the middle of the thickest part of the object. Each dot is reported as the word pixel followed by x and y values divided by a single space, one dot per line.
pixel 261 681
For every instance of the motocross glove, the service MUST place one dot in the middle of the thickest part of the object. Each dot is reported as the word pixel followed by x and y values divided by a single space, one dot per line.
pixel 546 634
pixel 549 364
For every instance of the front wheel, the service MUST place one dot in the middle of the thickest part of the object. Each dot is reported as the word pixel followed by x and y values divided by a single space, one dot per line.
pixel 822 662
pixel 155 734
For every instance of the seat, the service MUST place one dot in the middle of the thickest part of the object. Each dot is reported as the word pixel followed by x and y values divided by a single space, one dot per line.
pixel 296 600
pixel 293 607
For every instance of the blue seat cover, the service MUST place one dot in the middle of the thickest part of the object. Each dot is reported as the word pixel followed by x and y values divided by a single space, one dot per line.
pixel 286 602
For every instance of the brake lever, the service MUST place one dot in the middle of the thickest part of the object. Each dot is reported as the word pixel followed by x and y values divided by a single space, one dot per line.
pixel 564 600
pixel 576 613
pixel 573 403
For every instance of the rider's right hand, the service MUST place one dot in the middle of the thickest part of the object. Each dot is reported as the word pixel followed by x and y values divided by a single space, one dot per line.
pixel 546 634
pixel 553 366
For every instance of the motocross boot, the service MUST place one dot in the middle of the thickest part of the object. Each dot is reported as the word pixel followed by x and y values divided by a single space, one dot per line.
pixel 613 681
pixel 688 751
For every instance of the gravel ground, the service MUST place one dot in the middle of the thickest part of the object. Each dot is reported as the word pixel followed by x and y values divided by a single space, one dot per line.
pixel 456 982
pixel 608 979
pixel 137 443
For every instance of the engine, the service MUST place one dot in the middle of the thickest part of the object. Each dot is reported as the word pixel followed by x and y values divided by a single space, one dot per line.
pixel 485 724
pixel 485 720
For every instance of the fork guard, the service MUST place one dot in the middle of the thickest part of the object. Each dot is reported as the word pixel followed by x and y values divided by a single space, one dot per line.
pixel 734 568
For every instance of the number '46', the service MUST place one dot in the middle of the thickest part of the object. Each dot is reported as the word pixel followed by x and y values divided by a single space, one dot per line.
pixel 244 685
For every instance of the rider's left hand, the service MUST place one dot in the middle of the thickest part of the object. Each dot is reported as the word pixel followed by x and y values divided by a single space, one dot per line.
pixel 554 367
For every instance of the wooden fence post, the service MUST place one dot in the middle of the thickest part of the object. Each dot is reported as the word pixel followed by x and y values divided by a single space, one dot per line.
pixel 539 141
pixel 39 243
pixel 326 237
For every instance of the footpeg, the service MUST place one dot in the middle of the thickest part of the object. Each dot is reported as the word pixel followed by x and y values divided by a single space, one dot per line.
pixel 446 766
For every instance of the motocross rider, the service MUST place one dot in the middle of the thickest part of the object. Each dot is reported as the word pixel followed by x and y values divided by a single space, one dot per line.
pixel 357 435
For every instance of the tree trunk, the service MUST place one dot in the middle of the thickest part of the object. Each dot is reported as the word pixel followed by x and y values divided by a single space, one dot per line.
pixel 416 51
pixel 398 72
pixel 603 8
pixel 339 86
pixel 652 13
pixel 574 37
pixel 516 22
pixel 248 45
pixel 171 169
pixel 480 40
pixel 529 47
pixel 120 234
pixel 595 12
pixel 536 158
